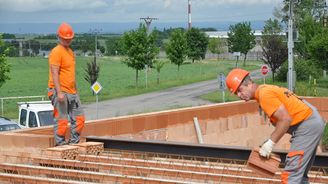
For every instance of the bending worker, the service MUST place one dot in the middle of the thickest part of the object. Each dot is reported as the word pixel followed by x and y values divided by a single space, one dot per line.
pixel 62 89
pixel 289 114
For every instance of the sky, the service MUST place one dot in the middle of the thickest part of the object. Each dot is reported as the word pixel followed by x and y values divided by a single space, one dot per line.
pixel 82 11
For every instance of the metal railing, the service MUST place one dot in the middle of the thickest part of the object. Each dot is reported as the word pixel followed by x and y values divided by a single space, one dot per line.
pixel 2 99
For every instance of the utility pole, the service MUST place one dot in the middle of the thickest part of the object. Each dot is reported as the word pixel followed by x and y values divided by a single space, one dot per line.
pixel 290 49
pixel 20 48
pixel 148 21
pixel 95 31
pixel 189 14
pixel 29 48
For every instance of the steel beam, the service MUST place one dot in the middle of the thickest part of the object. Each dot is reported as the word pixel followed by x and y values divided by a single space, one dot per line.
pixel 188 149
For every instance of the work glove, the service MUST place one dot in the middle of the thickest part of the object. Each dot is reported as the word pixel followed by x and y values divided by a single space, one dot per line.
pixel 266 148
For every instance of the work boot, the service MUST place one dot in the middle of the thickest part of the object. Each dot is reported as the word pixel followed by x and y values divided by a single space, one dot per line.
pixel 75 138
pixel 70 142
pixel 61 144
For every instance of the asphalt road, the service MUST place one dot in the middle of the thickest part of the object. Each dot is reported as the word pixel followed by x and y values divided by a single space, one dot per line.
pixel 177 97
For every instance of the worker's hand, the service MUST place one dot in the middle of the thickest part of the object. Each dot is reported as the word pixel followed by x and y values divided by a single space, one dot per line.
pixel 61 97
pixel 266 148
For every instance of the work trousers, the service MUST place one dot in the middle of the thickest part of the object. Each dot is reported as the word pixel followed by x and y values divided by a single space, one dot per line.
pixel 68 110
pixel 304 141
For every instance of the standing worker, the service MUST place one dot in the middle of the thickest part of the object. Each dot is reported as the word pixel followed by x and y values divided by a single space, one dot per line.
pixel 62 89
pixel 289 114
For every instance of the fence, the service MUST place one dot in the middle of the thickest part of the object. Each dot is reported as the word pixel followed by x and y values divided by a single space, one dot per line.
pixel 19 97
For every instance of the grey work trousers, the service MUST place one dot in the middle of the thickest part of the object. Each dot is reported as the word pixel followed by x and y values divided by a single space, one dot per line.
pixel 304 141
pixel 70 109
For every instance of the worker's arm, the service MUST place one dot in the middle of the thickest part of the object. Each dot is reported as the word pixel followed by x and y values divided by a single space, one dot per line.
pixel 75 85
pixel 55 77
pixel 282 124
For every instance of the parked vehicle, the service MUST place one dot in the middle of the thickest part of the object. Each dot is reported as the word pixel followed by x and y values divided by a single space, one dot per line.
pixel 35 114
pixel 7 124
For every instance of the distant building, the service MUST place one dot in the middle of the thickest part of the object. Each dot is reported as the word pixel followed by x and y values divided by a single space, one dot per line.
pixel 253 54
pixel 224 34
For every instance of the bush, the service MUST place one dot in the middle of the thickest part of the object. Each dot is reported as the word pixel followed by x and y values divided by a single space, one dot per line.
pixel 325 138
pixel 323 82
pixel 303 68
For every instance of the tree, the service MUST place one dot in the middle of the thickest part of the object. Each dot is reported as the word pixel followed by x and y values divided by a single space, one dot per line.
pixel 158 65
pixel 35 47
pixel 308 29
pixel 241 38
pixel 140 48
pixel 308 19
pixel 92 71
pixel 8 36
pixel 319 49
pixel 113 46
pixel 208 29
pixel 85 43
pixel 301 9
pixel 275 51
pixel 4 66
pixel 12 51
pixel 197 42
pixel 176 48
pixel 215 45
pixel 102 49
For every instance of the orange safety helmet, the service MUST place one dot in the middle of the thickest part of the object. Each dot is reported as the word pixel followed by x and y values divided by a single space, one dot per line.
pixel 234 79
pixel 65 31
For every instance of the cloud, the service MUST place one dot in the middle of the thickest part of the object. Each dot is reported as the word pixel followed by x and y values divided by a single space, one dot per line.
pixel 167 3
pixel 50 5
pixel 209 3
pixel 90 5
pixel 132 10
pixel 136 3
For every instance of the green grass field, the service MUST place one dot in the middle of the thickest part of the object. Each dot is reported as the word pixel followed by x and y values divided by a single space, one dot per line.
pixel 303 88
pixel 29 77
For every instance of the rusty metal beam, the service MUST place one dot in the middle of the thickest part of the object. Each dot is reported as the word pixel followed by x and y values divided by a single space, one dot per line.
pixel 215 151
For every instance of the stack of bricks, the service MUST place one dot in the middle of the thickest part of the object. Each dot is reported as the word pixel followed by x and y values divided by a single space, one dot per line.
pixel 62 152
pixel 93 148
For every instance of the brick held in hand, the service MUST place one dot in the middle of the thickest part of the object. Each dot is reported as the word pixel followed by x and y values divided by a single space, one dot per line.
pixel 263 166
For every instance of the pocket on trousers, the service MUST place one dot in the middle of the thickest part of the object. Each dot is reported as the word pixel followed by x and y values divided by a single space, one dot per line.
pixel 50 94
pixel 294 160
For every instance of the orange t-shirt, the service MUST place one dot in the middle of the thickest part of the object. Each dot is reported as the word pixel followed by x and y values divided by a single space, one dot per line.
pixel 270 97
pixel 63 58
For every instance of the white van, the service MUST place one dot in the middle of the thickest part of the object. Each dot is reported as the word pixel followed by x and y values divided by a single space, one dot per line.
pixel 35 114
